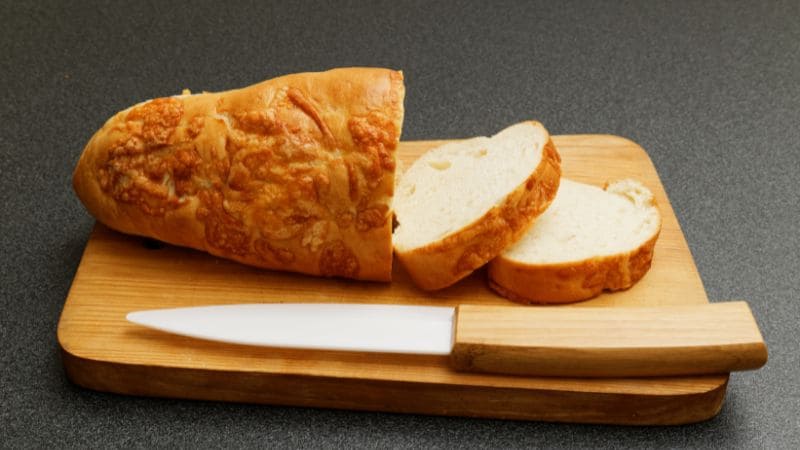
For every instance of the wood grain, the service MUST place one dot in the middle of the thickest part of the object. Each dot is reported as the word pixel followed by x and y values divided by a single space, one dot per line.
pixel 608 342
pixel 119 274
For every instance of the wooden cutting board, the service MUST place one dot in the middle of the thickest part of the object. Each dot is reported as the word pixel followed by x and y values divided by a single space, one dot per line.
pixel 119 274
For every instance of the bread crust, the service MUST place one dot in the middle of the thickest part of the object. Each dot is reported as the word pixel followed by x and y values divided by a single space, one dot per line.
pixel 572 281
pixel 442 263
pixel 294 173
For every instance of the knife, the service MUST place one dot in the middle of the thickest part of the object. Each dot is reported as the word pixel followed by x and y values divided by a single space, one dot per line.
pixel 520 340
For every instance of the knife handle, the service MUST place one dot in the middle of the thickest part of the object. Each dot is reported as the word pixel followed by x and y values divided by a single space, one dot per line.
pixel 607 342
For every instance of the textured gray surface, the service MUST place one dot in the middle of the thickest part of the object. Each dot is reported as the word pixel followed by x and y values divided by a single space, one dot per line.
pixel 710 89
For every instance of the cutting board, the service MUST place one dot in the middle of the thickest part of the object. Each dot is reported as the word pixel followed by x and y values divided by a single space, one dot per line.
pixel 120 273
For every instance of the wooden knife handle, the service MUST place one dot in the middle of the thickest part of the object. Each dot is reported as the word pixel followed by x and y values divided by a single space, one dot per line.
pixel 607 342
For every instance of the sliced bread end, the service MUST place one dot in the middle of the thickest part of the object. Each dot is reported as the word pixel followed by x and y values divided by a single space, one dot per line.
pixel 571 254
pixel 442 259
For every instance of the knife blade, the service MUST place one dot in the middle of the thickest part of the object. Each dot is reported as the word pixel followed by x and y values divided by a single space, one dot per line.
pixel 349 327
pixel 533 341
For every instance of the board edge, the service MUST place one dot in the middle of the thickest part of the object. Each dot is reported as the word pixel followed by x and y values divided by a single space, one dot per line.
pixel 405 397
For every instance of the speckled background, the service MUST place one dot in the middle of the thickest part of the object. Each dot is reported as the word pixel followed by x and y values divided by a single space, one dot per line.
pixel 710 89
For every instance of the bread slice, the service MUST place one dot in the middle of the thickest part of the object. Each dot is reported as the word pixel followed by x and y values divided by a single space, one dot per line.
pixel 294 173
pixel 459 205
pixel 588 240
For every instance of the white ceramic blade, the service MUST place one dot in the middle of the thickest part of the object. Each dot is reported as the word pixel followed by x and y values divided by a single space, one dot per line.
pixel 352 327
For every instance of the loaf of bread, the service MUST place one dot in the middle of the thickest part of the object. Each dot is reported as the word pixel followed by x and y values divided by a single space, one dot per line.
pixel 294 173
pixel 461 204
pixel 588 240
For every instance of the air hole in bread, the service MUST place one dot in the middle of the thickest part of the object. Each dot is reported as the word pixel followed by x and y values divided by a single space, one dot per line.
pixel 440 164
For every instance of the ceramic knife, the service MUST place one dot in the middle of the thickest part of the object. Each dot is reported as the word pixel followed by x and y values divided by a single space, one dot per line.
pixel 519 340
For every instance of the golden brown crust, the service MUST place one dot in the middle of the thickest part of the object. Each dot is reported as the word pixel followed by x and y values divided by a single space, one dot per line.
pixel 443 263
pixel 572 281
pixel 294 173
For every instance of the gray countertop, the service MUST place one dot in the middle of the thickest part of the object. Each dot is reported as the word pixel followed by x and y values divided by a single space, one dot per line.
pixel 710 89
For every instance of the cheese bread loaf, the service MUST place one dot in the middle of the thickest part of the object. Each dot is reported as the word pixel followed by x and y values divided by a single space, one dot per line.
pixel 294 173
